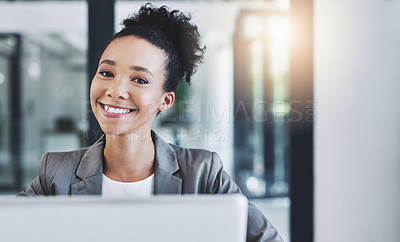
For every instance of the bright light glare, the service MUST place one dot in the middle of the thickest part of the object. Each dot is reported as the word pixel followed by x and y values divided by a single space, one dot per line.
pixel 256 185
pixel 278 28
pixel 252 26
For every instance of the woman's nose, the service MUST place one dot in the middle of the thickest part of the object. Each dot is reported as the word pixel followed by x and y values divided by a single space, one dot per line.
pixel 118 90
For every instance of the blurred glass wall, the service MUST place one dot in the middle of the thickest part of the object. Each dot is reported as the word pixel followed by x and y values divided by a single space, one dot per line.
pixel 43 52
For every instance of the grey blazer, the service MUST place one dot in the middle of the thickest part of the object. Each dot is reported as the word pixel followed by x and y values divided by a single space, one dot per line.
pixel 177 171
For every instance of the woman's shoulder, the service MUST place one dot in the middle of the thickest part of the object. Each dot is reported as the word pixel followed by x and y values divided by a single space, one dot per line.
pixel 66 155
pixel 63 159
pixel 202 171
pixel 196 158
pixel 66 158
pixel 193 153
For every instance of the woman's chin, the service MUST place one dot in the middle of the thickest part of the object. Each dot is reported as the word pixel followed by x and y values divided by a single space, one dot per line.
pixel 125 131
pixel 115 132
pixel 112 130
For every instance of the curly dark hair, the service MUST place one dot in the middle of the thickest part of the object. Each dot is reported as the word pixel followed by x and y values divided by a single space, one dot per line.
pixel 172 32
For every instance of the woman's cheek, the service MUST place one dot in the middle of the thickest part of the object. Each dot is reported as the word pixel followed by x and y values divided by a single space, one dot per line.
pixel 95 90
pixel 94 94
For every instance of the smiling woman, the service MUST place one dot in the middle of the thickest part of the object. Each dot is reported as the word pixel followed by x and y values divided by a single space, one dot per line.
pixel 137 77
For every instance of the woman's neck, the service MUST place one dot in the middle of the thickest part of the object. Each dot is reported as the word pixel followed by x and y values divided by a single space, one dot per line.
pixel 129 158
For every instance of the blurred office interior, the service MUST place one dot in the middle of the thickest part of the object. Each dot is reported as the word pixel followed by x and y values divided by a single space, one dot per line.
pixel 298 97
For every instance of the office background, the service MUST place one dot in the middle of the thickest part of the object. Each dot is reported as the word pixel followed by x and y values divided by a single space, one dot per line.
pixel 299 98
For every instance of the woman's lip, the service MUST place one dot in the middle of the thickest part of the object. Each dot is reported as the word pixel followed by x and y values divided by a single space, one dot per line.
pixel 114 111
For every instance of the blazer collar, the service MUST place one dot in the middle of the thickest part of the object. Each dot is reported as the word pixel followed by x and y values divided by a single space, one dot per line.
pixel 90 169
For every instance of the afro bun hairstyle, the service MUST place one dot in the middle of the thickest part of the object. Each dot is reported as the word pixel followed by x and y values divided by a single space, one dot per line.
pixel 172 32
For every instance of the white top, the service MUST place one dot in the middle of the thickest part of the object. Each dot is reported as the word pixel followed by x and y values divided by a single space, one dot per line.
pixel 116 189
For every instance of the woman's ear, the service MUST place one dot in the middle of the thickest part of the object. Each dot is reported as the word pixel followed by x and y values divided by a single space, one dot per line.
pixel 168 101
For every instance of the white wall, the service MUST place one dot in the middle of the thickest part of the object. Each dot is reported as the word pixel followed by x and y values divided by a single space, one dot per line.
pixel 43 16
pixel 357 135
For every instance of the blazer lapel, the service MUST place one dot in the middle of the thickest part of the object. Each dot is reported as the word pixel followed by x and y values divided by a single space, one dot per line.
pixel 90 170
pixel 165 165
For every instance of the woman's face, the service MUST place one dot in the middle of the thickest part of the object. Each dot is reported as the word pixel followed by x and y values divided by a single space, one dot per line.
pixel 127 90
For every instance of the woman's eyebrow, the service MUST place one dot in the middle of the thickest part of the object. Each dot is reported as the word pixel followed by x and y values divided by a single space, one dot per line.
pixel 110 62
pixel 135 68
pixel 141 68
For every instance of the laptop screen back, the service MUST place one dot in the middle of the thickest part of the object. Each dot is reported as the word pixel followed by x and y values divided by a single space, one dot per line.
pixel 201 218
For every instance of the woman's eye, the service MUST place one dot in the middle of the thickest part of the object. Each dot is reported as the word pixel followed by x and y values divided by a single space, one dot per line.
pixel 106 73
pixel 140 80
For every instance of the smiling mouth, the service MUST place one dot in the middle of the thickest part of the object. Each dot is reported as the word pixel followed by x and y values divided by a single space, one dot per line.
pixel 116 110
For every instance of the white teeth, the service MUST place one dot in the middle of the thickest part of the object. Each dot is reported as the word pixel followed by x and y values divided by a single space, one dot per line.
pixel 115 110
